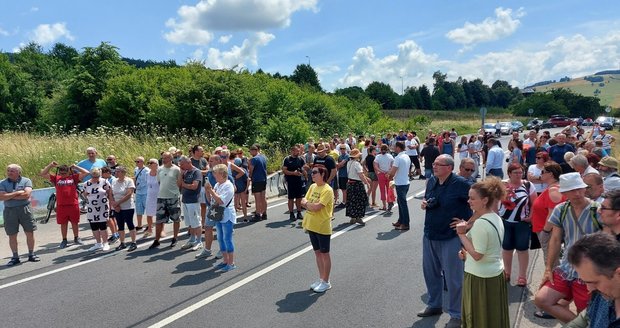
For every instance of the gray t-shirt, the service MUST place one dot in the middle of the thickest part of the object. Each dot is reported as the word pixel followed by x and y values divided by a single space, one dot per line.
pixel 9 186
pixel 191 196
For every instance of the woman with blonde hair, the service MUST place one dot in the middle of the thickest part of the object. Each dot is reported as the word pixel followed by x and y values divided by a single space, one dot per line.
pixel 222 194
pixel 485 295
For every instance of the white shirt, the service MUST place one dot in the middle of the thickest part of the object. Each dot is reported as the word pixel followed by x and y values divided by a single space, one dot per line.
pixel 403 163
pixel 119 190
pixel 384 161
pixel 540 187
pixel 411 151
pixel 530 142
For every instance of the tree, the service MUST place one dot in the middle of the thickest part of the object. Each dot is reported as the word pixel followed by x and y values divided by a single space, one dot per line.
pixel 352 93
pixel 383 94
pixel 425 95
pixel 304 75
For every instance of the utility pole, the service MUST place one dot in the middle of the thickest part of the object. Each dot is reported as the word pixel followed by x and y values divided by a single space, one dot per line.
pixel 308 60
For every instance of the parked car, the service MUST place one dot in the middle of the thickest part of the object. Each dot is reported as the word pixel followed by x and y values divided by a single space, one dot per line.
pixel 587 122
pixel 489 128
pixel 605 122
pixel 506 127
pixel 517 126
pixel 533 123
pixel 616 121
pixel 579 120
pixel 557 121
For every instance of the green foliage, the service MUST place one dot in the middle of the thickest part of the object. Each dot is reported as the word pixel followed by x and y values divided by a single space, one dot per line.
pixel 383 94
pixel 544 105
pixel 304 75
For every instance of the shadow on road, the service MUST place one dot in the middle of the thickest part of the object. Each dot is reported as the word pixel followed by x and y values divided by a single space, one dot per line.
pixel 297 301
pixel 388 235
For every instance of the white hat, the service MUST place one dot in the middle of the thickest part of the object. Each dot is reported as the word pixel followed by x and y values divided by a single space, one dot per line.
pixel 571 181
pixel 172 150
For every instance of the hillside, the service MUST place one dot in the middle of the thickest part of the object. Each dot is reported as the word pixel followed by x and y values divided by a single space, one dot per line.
pixel 608 89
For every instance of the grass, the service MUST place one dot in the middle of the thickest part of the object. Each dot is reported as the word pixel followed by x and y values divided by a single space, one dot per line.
pixel 609 96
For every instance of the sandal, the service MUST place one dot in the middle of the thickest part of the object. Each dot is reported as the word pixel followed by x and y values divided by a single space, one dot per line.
pixel 522 282
pixel 543 315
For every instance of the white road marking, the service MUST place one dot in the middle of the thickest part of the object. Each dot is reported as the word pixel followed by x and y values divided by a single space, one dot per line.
pixel 209 299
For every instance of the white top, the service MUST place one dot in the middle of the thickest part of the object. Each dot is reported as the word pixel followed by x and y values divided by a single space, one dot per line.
pixel 119 190
pixel 98 204
pixel 226 192
pixel 411 151
pixel 529 142
pixel 463 151
pixel 354 169
pixel 540 187
pixel 403 163
pixel 384 161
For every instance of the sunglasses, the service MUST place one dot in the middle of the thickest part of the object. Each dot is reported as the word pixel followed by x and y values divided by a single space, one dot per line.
pixel 138 161
pixel 538 157
pixel 469 170
pixel 315 172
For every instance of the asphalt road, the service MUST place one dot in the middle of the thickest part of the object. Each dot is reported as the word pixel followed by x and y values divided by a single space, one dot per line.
pixel 376 277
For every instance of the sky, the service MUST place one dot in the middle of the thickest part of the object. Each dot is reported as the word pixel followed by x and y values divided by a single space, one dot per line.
pixel 347 42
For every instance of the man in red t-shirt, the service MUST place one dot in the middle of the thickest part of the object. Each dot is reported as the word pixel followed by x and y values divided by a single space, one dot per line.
pixel 67 205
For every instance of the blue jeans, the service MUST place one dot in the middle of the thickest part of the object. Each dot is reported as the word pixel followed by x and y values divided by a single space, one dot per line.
pixel 497 172
pixel 225 236
pixel 401 199
pixel 441 256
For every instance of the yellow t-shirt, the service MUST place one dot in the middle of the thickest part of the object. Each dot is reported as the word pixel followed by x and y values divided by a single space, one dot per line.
pixel 334 154
pixel 320 221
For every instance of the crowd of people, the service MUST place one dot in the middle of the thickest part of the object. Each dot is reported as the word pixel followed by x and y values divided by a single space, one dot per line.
pixel 559 190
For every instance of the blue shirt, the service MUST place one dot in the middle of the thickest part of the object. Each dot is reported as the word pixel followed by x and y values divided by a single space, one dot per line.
pixel 495 159
pixel 556 152
pixel 140 176
pixel 88 165
pixel 10 186
pixel 259 168
pixel 451 202
pixel 601 312
pixel 342 172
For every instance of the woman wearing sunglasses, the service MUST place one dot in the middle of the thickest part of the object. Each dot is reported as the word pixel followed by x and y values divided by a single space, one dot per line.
pixel 319 204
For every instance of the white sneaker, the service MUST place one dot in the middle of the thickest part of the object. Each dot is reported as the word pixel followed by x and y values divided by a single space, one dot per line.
pixel 322 287
pixel 197 246
pixel 316 284
pixel 106 247
pixel 95 247
pixel 204 253
pixel 219 255
pixel 188 245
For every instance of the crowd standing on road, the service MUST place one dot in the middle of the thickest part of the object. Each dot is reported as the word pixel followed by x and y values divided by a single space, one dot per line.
pixel 560 191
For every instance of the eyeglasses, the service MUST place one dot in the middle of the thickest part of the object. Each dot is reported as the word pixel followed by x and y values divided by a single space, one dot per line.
pixel 109 159
pixel 538 157
pixel 315 172
pixel 603 208
pixel 543 172
pixel 151 163
pixel 469 170
pixel 439 164
pixel 517 172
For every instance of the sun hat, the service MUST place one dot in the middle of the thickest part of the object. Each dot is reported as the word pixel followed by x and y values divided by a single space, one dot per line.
pixel 609 162
pixel 172 149
pixel 355 153
pixel 571 181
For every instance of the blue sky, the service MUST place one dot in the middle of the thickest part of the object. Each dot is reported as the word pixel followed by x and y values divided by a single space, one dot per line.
pixel 347 42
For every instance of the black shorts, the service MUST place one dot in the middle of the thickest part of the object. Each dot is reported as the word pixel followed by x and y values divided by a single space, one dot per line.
pixel 415 161
pixel 319 242
pixel 98 226
pixel 342 183
pixel 259 186
pixel 295 189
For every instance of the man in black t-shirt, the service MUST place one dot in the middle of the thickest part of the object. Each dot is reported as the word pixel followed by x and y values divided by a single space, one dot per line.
pixel 328 162
pixel 293 172
pixel 429 153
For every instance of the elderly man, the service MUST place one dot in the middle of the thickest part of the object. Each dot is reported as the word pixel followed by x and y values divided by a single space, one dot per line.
pixel 608 168
pixel 467 168
pixel 168 207
pixel 580 164
pixel 571 221
pixel 595 189
pixel 444 201
pixel 15 191
pixel 190 182
pixel 140 173
pixel 91 162
pixel 596 259
pixel 557 151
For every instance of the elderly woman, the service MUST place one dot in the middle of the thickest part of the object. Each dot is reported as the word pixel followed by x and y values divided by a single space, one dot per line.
pixel 123 204
pixel 534 172
pixel 98 192
pixel 515 211
pixel 356 193
pixel 319 204
pixel 485 295
pixel 222 194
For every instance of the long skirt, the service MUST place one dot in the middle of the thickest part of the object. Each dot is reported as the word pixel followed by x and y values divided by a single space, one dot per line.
pixel 485 302
pixel 357 200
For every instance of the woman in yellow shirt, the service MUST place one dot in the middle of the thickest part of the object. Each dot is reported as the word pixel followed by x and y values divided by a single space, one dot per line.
pixel 319 203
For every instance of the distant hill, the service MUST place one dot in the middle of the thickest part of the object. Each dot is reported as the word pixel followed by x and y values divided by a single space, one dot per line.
pixel 605 85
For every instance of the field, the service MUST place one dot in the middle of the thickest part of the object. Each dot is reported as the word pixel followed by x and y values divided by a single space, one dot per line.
pixel 609 93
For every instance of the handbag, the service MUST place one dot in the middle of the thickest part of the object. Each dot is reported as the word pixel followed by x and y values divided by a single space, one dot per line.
pixel 216 213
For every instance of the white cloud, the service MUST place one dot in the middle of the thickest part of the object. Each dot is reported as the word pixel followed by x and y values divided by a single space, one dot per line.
pixel 3 32
pixel 46 34
pixel 34 9
pixel 502 25
pixel 196 24
pixel 225 38
pixel 572 56
pixel 239 56
pixel 197 54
